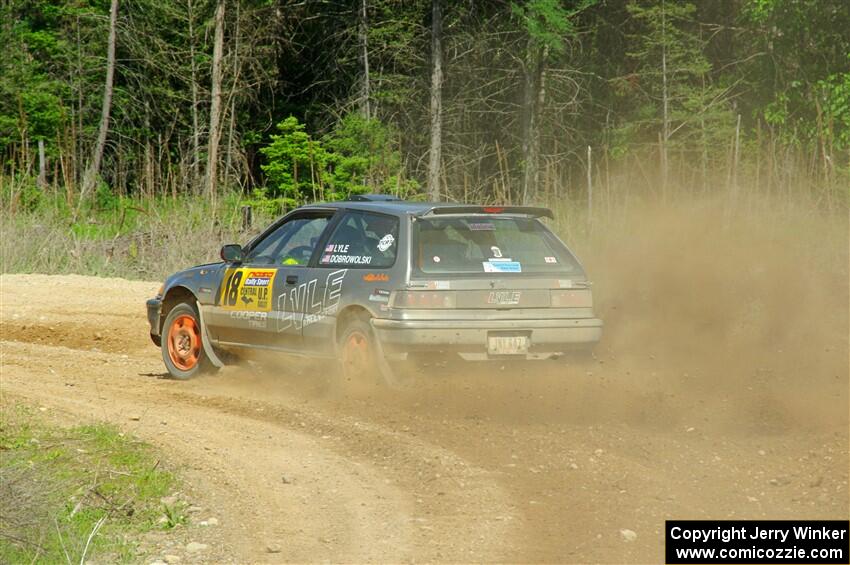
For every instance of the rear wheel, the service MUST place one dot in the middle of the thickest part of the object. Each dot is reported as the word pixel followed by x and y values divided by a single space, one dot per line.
pixel 182 347
pixel 358 353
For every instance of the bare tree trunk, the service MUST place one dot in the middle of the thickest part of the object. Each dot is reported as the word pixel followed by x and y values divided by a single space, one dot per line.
pixel 93 170
pixel 232 98
pixel 215 104
pixel 736 152
pixel 78 138
pixel 665 136
pixel 196 131
pixel 533 99
pixel 435 155
pixel 42 166
pixel 589 188
pixel 704 141
pixel 364 44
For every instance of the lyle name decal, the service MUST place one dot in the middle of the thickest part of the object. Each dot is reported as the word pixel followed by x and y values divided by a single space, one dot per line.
pixel 302 298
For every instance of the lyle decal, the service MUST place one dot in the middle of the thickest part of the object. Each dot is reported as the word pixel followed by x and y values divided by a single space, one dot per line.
pixel 248 289
pixel 302 298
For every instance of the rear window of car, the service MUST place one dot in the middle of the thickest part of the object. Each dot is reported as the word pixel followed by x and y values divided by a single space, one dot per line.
pixel 362 239
pixel 488 244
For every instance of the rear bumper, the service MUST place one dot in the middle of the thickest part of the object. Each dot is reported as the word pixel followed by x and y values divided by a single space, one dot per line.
pixel 154 306
pixel 469 337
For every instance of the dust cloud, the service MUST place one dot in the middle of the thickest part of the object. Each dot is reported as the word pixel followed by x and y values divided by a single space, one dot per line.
pixel 737 323
pixel 719 390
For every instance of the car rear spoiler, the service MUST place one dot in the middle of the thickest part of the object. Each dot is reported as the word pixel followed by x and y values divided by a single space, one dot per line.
pixel 533 211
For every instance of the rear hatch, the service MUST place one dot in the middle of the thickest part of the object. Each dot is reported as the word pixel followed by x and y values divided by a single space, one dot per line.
pixel 496 266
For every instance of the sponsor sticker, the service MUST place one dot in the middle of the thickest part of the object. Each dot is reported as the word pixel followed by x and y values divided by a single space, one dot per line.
pixel 376 277
pixel 502 267
pixel 247 289
pixel 496 251
pixel 258 320
pixel 504 297
pixel 482 226
pixel 337 248
pixel 347 259
pixel 436 258
pixel 550 259
pixel 380 295
pixel 386 242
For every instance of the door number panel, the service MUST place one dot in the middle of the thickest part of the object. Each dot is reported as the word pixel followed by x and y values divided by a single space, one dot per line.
pixel 248 289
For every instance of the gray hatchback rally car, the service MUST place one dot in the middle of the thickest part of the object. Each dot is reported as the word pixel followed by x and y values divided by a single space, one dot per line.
pixel 376 279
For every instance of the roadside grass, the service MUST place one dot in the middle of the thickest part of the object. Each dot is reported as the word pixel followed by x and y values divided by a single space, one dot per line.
pixel 128 238
pixel 70 495
pixel 150 238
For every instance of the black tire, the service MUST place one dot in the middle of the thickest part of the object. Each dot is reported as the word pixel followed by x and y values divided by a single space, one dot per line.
pixel 182 348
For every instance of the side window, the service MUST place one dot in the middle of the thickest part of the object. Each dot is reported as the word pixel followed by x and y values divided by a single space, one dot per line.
pixel 290 244
pixel 362 239
pixel 298 249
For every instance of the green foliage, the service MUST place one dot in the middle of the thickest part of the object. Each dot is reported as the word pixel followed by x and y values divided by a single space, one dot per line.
pixel 35 90
pixel 61 475
pixel 174 516
pixel 29 196
pixel 777 63
pixel 364 158
pixel 800 83
pixel 700 116
pixel 835 94
pixel 548 22
pixel 105 198
pixel 295 164
pixel 358 156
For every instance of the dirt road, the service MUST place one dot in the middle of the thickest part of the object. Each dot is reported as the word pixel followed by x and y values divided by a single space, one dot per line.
pixel 548 465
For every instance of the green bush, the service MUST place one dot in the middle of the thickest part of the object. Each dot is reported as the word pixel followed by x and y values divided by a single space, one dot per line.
pixel 295 165
pixel 359 155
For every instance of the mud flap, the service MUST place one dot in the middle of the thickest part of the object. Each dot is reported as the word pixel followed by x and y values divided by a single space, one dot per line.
pixel 387 372
pixel 205 339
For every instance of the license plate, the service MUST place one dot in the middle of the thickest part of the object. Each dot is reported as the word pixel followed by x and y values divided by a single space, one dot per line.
pixel 507 345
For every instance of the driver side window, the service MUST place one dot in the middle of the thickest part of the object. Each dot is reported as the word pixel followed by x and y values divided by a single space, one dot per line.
pixel 291 244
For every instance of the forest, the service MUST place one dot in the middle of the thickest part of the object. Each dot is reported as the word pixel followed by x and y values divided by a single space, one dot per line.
pixel 123 106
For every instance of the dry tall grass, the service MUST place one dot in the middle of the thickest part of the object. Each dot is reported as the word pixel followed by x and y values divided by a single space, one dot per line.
pixel 148 239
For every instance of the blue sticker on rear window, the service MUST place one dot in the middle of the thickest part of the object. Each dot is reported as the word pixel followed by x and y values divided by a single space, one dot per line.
pixel 502 267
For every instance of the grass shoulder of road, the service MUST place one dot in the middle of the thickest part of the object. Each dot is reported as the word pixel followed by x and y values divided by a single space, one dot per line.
pixel 75 494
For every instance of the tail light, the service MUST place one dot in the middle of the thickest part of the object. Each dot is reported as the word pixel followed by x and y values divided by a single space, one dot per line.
pixel 424 299
pixel 571 298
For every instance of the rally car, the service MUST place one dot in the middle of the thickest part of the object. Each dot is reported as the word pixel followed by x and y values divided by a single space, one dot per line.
pixel 375 280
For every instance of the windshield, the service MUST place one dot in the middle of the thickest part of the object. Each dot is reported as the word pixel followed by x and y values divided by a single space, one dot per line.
pixel 487 244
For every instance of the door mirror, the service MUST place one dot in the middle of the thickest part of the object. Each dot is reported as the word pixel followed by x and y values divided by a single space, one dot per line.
pixel 231 253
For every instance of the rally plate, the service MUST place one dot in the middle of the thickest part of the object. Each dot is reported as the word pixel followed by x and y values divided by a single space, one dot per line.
pixel 508 345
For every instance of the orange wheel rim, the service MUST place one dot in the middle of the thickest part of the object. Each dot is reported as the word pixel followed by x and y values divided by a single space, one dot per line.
pixel 184 342
pixel 356 354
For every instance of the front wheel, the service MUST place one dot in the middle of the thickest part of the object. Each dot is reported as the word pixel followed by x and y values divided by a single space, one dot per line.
pixel 182 347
